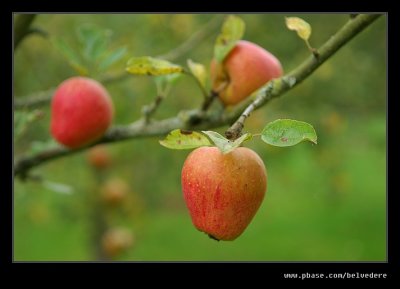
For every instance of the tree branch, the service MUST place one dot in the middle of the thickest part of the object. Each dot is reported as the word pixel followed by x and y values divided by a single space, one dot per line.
pixel 21 27
pixel 34 100
pixel 42 97
pixel 211 119
pixel 279 86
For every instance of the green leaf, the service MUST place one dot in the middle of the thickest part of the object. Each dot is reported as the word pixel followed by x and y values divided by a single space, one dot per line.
pixel 22 120
pixel 179 139
pixel 112 58
pixel 165 82
pixel 198 70
pixel 86 33
pixel 151 66
pixel 288 132
pixel 220 141
pixel 71 56
pixel 94 41
pixel 173 77
pixel 232 31
pixel 225 145
pixel 297 24
pixel 167 79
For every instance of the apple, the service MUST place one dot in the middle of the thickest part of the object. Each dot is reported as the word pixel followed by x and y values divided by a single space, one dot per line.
pixel 245 69
pixel 114 191
pixel 116 240
pixel 223 191
pixel 81 112
pixel 99 157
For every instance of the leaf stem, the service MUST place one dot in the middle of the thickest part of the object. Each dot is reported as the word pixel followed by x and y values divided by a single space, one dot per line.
pixel 210 119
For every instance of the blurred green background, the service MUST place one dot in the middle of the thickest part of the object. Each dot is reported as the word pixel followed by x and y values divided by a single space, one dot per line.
pixel 325 202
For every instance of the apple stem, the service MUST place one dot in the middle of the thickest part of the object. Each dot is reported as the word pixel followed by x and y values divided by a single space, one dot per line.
pixel 293 78
pixel 134 130
pixel 214 94
pixel 209 100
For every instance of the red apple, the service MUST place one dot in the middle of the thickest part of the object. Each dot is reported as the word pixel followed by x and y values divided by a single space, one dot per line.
pixel 223 192
pixel 245 69
pixel 99 157
pixel 81 111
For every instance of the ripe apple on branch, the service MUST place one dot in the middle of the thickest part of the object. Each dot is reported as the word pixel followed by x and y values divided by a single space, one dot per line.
pixel 82 111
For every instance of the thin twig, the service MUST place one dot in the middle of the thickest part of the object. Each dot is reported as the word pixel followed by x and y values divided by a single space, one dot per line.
pixel 43 97
pixel 213 95
pixel 149 110
pixel 279 86
pixel 209 100
pixel 211 119
pixel 194 40
pixel 21 27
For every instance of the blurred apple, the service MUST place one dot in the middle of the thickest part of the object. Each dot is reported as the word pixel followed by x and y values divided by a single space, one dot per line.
pixel 114 191
pixel 116 241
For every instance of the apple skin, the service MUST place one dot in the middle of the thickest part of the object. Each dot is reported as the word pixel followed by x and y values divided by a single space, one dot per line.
pixel 246 68
pixel 81 112
pixel 223 192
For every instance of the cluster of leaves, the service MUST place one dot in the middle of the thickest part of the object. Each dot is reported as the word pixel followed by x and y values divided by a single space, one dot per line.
pixel 281 133
pixel 232 31
pixel 22 120
pixel 94 55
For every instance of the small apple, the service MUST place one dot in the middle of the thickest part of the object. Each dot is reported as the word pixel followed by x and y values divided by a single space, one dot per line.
pixel 245 69
pixel 81 111
pixel 223 191
pixel 99 157
pixel 114 191
pixel 117 240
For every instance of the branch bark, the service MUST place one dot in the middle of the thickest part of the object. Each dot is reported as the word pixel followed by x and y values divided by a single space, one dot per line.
pixel 21 27
pixel 279 86
pixel 43 97
pixel 212 119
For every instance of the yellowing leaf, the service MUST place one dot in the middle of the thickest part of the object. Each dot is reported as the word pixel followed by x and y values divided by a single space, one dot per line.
pixel 297 24
pixel 198 70
pixel 232 31
pixel 147 65
pixel 179 139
